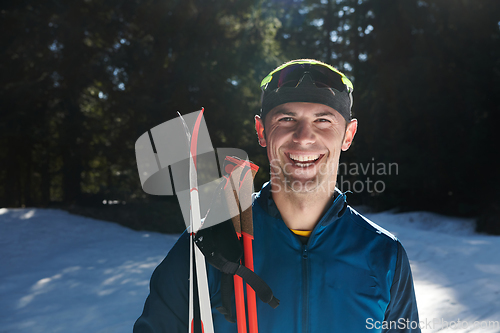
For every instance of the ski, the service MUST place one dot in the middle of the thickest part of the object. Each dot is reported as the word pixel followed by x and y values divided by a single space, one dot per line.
pixel 197 259
pixel 221 243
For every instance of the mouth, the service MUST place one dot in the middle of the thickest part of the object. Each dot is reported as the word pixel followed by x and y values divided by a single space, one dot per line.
pixel 304 160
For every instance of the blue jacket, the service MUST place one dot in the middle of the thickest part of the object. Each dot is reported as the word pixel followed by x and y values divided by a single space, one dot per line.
pixel 351 276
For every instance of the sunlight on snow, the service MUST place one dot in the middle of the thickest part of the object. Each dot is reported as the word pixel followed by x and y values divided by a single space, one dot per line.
pixel 29 214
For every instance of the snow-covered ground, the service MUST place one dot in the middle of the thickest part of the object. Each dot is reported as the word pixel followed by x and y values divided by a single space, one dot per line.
pixel 456 271
pixel 65 273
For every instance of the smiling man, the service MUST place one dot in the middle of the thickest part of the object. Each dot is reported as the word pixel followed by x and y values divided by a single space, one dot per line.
pixel 303 143
pixel 332 269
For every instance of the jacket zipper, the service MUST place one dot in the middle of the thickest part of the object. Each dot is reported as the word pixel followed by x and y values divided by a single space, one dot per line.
pixel 305 290
pixel 305 275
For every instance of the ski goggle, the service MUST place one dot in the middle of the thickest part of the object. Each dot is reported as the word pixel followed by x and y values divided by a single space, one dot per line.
pixel 292 74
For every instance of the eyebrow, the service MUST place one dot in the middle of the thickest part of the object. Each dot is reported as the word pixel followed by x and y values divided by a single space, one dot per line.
pixel 325 113
pixel 291 113
pixel 284 112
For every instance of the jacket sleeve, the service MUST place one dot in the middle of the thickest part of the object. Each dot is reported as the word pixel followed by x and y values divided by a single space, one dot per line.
pixel 166 308
pixel 402 310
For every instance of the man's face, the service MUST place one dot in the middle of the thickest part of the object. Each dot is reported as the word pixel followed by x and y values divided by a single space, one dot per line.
pixel 304 141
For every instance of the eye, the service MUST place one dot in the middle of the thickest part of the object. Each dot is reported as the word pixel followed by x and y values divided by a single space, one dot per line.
pixel 323 120
pixel 286 119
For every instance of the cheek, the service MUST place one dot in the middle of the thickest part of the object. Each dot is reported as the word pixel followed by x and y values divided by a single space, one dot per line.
pixel 334 145
pixel 275 138
pixel 272 150
pixel 337 138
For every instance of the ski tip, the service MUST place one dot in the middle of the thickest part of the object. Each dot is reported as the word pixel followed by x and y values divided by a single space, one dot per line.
pixel 194 136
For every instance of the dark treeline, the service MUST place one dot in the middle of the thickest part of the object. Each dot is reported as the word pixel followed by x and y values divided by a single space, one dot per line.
pixel 82 80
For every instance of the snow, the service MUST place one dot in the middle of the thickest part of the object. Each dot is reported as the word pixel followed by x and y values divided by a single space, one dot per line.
pixel 66 273
pixel 456 272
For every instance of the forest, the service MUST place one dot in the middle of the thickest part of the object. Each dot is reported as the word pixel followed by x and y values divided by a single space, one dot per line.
pixel 82 80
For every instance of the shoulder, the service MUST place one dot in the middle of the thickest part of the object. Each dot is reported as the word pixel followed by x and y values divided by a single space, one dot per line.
pixel 261 196
pixel 379 245
pixel 369 225
pixel 177 257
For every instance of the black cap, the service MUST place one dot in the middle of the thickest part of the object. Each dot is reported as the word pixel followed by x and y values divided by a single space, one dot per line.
pixel 306 91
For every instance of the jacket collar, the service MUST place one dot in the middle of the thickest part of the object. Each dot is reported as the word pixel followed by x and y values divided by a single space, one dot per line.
pixel 336 210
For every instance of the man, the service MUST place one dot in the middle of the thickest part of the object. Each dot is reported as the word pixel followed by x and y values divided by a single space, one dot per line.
pixel 332 269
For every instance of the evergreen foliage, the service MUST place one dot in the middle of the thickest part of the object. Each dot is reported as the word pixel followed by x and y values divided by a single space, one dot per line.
pixel 82 80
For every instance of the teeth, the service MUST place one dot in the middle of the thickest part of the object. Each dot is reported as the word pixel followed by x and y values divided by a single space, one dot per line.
pixel 303 165
pixel 304 158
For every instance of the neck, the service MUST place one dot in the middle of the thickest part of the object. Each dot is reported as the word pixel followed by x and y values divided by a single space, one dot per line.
pixel 302 210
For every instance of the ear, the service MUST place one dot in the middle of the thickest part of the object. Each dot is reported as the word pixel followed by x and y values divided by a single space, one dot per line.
pixel 259 127
pixel 352 127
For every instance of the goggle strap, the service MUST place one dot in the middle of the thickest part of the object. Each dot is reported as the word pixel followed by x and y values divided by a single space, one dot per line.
pixel 345 80
pixel 266 80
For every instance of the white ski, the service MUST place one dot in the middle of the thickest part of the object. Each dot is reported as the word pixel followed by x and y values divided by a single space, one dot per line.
pixel 194 226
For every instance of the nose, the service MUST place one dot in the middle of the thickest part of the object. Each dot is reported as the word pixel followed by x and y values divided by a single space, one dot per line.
pixel 304 134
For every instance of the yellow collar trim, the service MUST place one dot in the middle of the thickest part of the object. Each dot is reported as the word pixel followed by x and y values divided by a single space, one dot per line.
pixel 305 233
